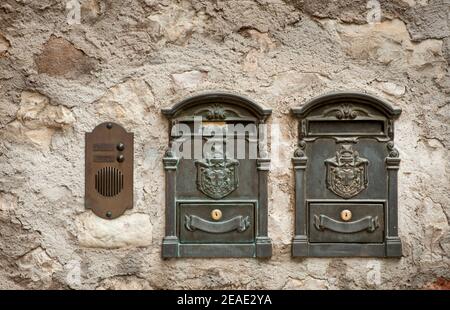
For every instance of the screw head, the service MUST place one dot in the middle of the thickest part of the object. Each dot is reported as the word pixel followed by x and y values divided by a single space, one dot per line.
pixel 120 158
pixel 108 214
pixel 109 125
pixel 120 146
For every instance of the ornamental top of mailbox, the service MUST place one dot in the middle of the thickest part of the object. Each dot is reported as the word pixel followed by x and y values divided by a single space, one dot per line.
pixel 346 98
pixel 217 106
pixel 341 115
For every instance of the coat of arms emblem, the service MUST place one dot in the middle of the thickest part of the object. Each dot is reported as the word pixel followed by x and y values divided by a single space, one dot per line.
pixel 346 172
pixel 217 176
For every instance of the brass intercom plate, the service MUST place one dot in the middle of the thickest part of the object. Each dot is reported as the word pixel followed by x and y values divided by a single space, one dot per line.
pixel 109 170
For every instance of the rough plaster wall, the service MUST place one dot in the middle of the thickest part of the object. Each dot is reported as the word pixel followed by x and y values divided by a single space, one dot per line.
pixel 128 59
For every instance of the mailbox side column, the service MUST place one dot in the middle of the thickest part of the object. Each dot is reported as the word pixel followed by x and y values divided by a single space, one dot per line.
pixel 263 242
pixel 300 241
pixel 170 241
pixel 393 242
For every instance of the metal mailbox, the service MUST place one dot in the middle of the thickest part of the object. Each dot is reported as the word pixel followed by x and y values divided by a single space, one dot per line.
pixel 216 178
pixel 109 170
pixel 346 169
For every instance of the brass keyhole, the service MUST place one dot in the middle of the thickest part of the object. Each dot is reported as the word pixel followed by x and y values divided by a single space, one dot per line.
pixel 216 214
pixel 346 215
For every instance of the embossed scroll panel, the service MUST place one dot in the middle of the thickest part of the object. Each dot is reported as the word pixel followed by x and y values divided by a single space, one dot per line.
pixel 216 178
pixel 346 177
pixel 109 170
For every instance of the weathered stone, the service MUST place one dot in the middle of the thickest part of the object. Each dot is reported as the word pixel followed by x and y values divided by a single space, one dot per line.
pixel 8 203
pixel 436 229
pixel 37 120
pixel 127 103
pixel 15 240
pixel 128 59
pixel 429 21
pixel 389 43
pixel 91 10
pixel 37 267
pixel 308 283
pixel 176 23
pixel 250 62
pixel 263 40
pixel 227 17
pixel 189 79
pixel 128 283
pixel 42 137
pixel 446 49
pixel 391 88
pixel 434 143
pixel 438 284
pixel 134 230
pixel 4 45
pixel 36 112
pixel 60 57
pixel 288 83
pixel 444 82
pixel 350 11
pixel 445 242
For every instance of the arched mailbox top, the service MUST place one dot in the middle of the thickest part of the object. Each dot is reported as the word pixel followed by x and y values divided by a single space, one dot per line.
pixel 347 98
pixel 217 106
pixel 347 114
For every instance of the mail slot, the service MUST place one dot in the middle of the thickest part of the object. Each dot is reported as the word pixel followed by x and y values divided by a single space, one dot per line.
pixel 216 178
pixel 326 223
pixel 198 223
pixel 346 168
pixel 109 170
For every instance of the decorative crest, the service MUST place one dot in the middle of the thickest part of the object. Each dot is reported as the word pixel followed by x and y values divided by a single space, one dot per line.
pixel 347 172
pixel 217 176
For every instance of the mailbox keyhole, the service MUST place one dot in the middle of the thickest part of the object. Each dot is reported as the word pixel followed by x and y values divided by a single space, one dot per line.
pixel 346 215
pixel 216 214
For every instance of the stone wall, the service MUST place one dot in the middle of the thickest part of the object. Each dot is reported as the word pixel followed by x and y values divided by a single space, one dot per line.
pixel 127 59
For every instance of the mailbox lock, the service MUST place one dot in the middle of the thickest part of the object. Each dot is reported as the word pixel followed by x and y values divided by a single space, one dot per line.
pixel 346 215
pixel 120 146
pixel 120 158
pixel 216 214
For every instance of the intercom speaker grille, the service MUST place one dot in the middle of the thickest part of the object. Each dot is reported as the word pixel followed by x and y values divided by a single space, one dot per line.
pixel 109 181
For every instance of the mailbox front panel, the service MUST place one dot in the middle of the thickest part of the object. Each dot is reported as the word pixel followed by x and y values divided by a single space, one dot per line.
pixel 346 177
pixel 216 201
pixel 363 177
pixel 346 222
pixel 216 223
